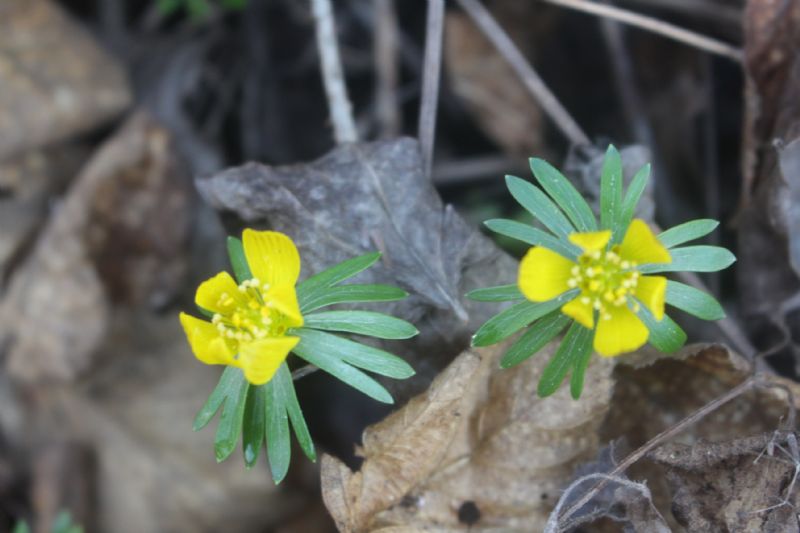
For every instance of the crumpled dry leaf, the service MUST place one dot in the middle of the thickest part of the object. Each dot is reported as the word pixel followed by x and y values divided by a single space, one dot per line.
pixel 375 196
pixel 747 484
pixel 479 451
pixel 56 80
pixel 56 308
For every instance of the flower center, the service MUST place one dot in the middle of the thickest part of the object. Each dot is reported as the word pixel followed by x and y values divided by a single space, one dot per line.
pixel 249 315
pixel 605 279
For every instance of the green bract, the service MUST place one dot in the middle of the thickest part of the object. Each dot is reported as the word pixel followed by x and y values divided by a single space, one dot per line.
pixel 262 413
pixel 598 277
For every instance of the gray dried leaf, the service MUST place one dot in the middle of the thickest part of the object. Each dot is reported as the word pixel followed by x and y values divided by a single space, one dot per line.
pixel 375 196
pixel 56 80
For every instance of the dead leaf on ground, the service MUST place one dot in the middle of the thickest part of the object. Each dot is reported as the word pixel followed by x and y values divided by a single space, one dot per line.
pixel 375 196
pixel 478 451
pixel 56 80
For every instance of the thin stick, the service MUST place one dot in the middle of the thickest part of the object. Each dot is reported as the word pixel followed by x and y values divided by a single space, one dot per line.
pixel 535 85
pixel 386 68
pixel 668 433
pixel 654 25
pixel 344 127
pixel 431 75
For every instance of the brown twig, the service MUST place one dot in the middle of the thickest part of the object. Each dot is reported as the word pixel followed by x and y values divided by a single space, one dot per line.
pixel 654 25
pixel 386 69
pixel 431 76
pixel 344 127
pixel 530 78
pixel 707 409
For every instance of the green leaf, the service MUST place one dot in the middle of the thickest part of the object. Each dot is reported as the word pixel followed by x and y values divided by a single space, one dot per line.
pixel 535 338
pixel 699 258
pixel 693 301
pixel 539 205
pixel 576 342
pixel 230 421
pixel 63 524
pixel 253 425
pixel 611 189
pixel 534 236
pixel 501 293
pixel 22 527
pixel 283 379
pixel 279 446
pixel 352 293
pixel 228 386
pixel 688 231
pixel 581 362
pixel 241 270
pixel 508 322
pixel 167 7
pixel 631 200
pixel 317 283
pixel 339 369
pixel 359 355
pixel 665 335
pixel 564 194
pixel 362 323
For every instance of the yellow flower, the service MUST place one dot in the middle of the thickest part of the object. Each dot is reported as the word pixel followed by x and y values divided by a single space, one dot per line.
pixel 248 329
pixel 607 279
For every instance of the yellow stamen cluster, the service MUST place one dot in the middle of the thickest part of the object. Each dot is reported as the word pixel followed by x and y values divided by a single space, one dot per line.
pixel 604 279
pixel 249 315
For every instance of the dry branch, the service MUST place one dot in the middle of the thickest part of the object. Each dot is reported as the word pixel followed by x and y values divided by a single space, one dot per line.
pixel 430 81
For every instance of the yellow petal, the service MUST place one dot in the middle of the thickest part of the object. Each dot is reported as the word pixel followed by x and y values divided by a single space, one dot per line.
pixel 260 359
pixel 206 343
pixel 591 241
pixel 272 257
pixel 284 299
pixel 543 274
pixel 218 294
pixel 651 291
pixel 641 245
pixel 583 313
pixel 621 333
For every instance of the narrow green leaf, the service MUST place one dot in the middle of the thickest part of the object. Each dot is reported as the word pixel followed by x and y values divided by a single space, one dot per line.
pixel 577 340
pixel 693 301
pixel 564 194
pixel 229 384
pixel 283 379
pixel 688 231
pixel 611 189
pixel 665 335
pixel 253 425
pixel 630 201
pixel 581 362
pixel 539 205
pixel 335 274
pixel 362 323
pixel 230 421
pixel 535 338
pixel 699 258
pixel 340 370
pixel 501 293
pixel 352 293
pixel 359 355
pixel 533 236
pixel 279 446
pixel 516 317
pixel 241 270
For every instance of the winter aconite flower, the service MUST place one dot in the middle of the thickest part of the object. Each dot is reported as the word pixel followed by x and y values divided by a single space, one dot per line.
pixel 260 315
pixel 594 280
pixel 248 327
pixel 609 283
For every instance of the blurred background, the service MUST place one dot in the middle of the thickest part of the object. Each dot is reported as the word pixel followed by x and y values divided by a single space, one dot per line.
pixel 109 109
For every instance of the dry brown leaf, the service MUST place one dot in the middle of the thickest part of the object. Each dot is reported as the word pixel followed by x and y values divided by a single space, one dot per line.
pixel 479 449
pixel 56 80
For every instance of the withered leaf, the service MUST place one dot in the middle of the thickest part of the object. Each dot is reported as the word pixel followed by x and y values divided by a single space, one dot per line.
pixel 480 437
pixel 375 196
